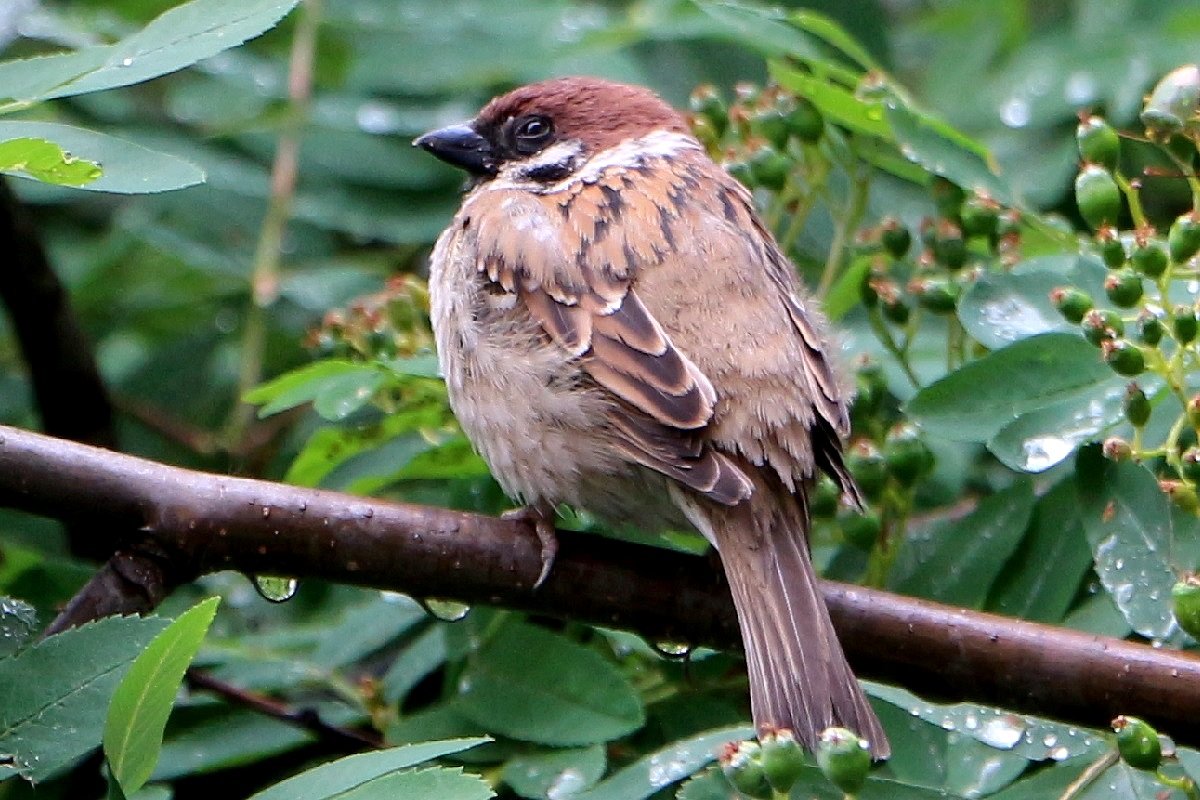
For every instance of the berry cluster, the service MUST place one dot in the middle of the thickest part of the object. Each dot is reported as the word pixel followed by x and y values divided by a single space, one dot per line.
pixel 389 323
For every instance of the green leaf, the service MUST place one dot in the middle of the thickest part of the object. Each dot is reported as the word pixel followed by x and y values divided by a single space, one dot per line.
pixel 956 562
pixel 1030 737
pixel 1139 545
pixel 351 772
pixel 126 168
pixel 142 702
pixel 835 103
pixel 420 656
pixel 54 695
pixel 664 767
pixel 1123 782
pixel 337 388
pixel 18 622
pixel 1001 307
pixel 45 161
pixel 1042 578
pixel 846 293
pixel 554 773
pixel 833 34
pixel 442 783
pixel 176 39
pixel 568 695
pixel 975 402
pixel 201 740
pixel 944 151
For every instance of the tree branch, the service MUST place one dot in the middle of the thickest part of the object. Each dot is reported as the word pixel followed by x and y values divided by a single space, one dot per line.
pixel 191 523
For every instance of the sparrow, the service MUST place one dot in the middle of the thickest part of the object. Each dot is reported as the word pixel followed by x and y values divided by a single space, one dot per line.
pixel 619 332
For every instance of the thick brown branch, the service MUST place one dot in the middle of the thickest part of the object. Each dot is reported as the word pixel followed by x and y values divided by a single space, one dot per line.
pixel 199 522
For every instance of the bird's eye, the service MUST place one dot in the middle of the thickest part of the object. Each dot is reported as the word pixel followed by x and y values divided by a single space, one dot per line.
pixel 532 133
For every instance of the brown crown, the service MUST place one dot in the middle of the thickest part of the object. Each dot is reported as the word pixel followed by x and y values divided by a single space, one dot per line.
pixel 600 113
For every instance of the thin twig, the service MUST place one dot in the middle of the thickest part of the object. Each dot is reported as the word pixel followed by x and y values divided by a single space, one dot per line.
pixel 1093 771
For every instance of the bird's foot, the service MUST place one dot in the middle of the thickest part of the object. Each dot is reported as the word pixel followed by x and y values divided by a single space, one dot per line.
pixel 543 524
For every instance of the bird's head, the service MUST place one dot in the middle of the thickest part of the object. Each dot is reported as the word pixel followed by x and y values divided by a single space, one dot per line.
pixel 546 132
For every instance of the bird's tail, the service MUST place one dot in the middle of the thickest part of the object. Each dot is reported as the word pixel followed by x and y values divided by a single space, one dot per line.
pixel 799 678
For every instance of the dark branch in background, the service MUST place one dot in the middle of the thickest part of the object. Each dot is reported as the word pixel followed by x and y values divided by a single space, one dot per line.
pixel 67 387
pixel 345 739
pixel 197 523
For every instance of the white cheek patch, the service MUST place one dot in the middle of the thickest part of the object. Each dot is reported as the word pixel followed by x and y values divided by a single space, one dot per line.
pixel 560 157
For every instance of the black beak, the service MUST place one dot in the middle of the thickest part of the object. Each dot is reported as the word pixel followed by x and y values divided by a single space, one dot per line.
pixel 461 146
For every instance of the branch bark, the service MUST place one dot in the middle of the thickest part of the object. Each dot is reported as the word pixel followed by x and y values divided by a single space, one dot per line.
pixel 191 523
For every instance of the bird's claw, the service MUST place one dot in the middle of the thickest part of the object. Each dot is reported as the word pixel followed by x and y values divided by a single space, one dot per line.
pixel 543 526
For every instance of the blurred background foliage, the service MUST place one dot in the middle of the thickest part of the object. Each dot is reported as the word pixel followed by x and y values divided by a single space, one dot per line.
pixel 195 297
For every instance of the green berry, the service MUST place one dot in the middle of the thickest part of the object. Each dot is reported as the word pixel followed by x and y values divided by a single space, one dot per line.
pixel 843 758
pixel 1116 449
pixel 770 124
pixel 980 216
pixel 1185 602
pixel 1190 464
pixel 1173 104
pixel 782 759
pixel 707 102
pixel 1137 743
pixel 1123 287
pixel 769 168
pixel 1100 325
pixel 1182 494
pixel 1137 406
pixel 896 310
pixel 742 764
pixel 947 196
pixel 936 294
pixel 868 467
pixel 1150 328
pixel 1072 303
pixel 805 122
pixel 1125 358
pixel 1149 257
pixel 823 501
pixel 1098 142
pixel 1097 196
pixel 894 237
pixel 1184 324
pixel 1184 237
pixel 1112 251
pixel 862 530
pixel 949 247
pixel 906 455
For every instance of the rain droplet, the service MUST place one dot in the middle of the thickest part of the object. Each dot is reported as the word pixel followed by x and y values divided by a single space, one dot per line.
pixel 445 610
pixel 1015 112
pixel 569 781
pixel 126 62
pixel 669 649
pixel 1002 732
pixel 1043 452
pixel 275 588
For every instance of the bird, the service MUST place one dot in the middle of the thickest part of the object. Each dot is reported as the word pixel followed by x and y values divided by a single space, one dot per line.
pixel 619 332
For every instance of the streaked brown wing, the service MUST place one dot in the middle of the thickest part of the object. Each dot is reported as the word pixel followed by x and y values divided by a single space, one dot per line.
pixel 579 286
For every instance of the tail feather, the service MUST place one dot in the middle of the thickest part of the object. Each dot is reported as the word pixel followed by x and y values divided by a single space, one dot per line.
pixel 799 677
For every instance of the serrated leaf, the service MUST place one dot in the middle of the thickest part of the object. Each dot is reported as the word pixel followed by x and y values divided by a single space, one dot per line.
pixel 554 773
pixel 18 622
pixel 976 401
pixel 567 695
pixel 140 706
pixel 54 695
pixel 1029 737
pixel 127 168
pixel 957 562
pixel 442 783
pixel 176 39
pixel 835 103
pixel 942 150
pixel 47 162
pixel 346 774
pixel 664 767
pixel 336 384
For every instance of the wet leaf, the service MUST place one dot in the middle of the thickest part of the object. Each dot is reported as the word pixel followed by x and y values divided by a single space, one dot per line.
pixel 1002 307
pixel 978 400
pixel 942 150
pixel 336 388
pixel 1133 534
pixel 556 773
pixel 835 103
pixel 956 562
pixel 46 161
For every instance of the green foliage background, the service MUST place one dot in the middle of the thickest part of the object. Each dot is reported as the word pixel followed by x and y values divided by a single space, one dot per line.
pixel 1015 513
